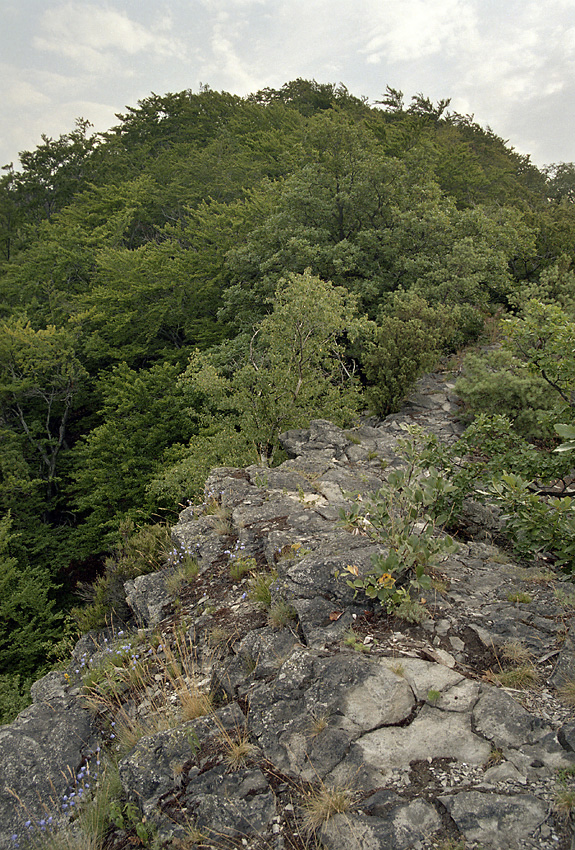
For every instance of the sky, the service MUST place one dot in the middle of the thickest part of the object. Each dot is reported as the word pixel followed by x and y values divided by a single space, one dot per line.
pixel 510 63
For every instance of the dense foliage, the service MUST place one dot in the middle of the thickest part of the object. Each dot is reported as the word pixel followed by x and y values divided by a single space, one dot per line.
pixel 213 270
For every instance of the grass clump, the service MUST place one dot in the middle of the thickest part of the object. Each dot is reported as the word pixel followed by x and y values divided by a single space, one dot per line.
pixel 281 613
pixel 322 804
pixel 318 724
pixel 566 692
pixel 516 652
pixel 564 801
pixel 260 588
pixel 139 551
pixel 521 597
pixel 494 758
pixel 238 749
pixel 520 678
pixel 239 567
pixel 353 640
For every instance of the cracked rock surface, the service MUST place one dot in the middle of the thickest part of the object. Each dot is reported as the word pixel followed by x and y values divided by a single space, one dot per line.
pixel 407 721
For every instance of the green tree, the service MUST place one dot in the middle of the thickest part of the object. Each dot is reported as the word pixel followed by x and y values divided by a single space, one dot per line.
pixel 143 415
pixel 294 368
pixel 561 182
pixel 40 377
pixel 29 623
pixel 406 341
pixel 543 340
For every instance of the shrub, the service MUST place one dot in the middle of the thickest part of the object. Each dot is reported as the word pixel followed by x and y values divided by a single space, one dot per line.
pixel 404 515
pixel 140 551
pixel 537 525
pixel 498 383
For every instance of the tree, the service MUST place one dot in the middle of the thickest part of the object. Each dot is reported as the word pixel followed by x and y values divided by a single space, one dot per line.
pixel 294 369
pixel 543 339
pixel 310 97
pixel 54 172
pixel 406 341
pixel 393 100
pixel 143 415
pixel 40 376
pixel 29 623
pixel 561 182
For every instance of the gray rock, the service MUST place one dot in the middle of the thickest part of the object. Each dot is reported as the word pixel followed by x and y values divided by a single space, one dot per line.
pixel 40 753
pixel 156 764
pixel 433 734
pixel 564 670
pixel 149 598
pixel 401 828
pixel 260 655
pixel 228 805
pixel 321 436
pixel 306 720
pixel 500 719
pixel 499 822
pixel 566 736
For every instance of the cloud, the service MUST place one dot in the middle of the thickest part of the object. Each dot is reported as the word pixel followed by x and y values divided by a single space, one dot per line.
pixel 92 35
pixel 413 29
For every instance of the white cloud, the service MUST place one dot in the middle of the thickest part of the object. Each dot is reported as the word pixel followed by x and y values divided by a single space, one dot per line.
pixel 92 35
pixel 511 62
pixel 402 32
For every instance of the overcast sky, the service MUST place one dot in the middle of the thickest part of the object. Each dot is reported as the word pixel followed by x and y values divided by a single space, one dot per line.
pixel 509 62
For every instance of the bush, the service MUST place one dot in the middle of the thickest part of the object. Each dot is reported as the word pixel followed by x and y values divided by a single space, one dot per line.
pixel 398 354
pixel 404 517
pixel 14 696
pixel 140 551
pixel 498 383
pixel 537 525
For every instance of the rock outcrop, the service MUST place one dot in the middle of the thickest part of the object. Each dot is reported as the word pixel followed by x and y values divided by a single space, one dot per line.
pixel 325 700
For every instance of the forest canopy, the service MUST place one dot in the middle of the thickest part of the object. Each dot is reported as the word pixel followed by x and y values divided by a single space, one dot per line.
pixel 213 270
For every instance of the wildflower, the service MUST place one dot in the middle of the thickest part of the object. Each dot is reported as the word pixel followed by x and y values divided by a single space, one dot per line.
pixel 351 568
pixel 386 579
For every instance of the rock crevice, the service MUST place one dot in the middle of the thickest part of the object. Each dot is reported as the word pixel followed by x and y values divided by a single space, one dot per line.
pixel 333 693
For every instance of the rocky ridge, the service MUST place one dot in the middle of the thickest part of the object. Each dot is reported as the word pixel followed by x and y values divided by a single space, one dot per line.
pixel 403 721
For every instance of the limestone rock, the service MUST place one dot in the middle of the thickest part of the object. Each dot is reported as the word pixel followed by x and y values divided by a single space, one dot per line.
pixel 40 753
pixel 401 828
pixel 499 822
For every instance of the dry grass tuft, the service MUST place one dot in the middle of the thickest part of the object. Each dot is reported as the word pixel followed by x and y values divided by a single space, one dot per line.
pixel 238 749
pixel 520 678
pixel 324 802
pixel 516 652
pixel 566 692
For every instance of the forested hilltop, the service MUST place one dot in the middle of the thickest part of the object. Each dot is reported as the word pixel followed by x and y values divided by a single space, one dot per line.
pixel 214 270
